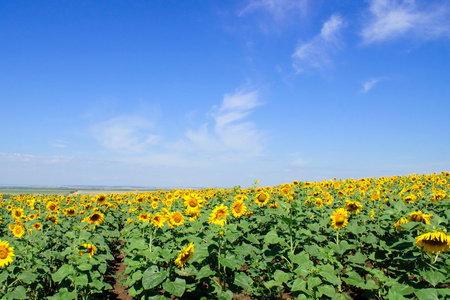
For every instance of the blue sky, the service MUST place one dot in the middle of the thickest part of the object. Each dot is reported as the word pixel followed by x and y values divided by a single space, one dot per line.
pixel 222 93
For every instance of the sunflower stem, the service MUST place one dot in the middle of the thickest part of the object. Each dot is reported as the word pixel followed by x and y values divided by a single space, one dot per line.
pixel 337 237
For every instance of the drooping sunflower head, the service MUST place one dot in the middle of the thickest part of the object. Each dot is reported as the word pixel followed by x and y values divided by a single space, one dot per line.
pixel 6 253
pixel 339 218
pixel 95 218
pixel 353 206
pixel 185 255
pixel 53 218
pixel 89 248
pixel 158 220
pixel 145 217
pixel 418 216
pixel 238 209
pixel 398 224
pixel 433 242
pixel 37 226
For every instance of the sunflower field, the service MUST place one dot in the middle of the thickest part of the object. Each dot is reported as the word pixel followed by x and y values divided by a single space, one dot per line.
pixel 372 238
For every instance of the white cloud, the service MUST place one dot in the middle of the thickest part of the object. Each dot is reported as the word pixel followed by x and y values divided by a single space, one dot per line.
pixel 30 158
pixel 370 84
pixel 391 19
pixel 231 132
pixel 126 134
pixel 279 9
pixel 316 54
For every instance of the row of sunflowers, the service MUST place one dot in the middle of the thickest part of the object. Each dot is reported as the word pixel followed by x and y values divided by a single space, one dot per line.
pixel 379 238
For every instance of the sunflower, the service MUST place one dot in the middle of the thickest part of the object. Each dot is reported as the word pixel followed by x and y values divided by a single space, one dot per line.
pixel 353 206
pixel 176 219
pixel 6 253
pixel 17 213
pixel 145 217
pixel 397 224
pixel 433 242
pixel 71 211
pixel 95 218
pixel 158 220
pixel 91 249
pixel 339 218
pixel 262 198
pixel 185 255
pixel 238 209
pixel 37 226
pixel 53 218
pixel 154 205
pixel 218 215
pixel 32 217
pixel 18 231
pixel 193 204
pixel 418 216
pixel 52 206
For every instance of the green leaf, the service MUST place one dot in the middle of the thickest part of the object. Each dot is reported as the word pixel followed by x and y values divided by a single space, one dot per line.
pixel 402 289
pixel 271 283
pixel 62 273
pixel 176 287
pixel 27 277
pixel 18 293
pixel 393 295
pixel 281 277
pixel 327 290
pixel 251 238
pixel 313 282
pixel 299 285
pixel 271 238
pixel 204 272
pixel 225 295
pixel 427 294
pixel 152 277
pixel 358 258
pixel 433 277
pixel 85 266
pixel 243 280
pixel 327 273
pixel 82 280
pixel 229 262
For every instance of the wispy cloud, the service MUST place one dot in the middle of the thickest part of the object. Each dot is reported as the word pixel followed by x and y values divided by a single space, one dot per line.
pixel 316 54
pixel 231 132
pixel 279 9
pixel 30 158
pixel 126 134
pixel 370 84
pixel 391 19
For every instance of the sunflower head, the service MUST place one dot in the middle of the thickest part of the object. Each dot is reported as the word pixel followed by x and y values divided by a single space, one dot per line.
pixel 433 242
pixel 262 198
pixel 185 255
pixel 158 220
pixel 6 253
pixel 88 248
pixel 353 206
pixel 95 218
pixel 218 215
pixel 339 218
pixel 176 219
pixel 418 216
pixel 18 231
pixel 238 209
